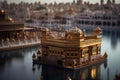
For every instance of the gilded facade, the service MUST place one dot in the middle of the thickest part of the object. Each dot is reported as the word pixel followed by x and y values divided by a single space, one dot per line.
pixel 73 49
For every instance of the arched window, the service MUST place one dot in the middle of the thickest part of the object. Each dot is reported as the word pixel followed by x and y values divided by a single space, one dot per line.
pixel 104 23
pixel 108 23
pixel 91 22
pixel 113 24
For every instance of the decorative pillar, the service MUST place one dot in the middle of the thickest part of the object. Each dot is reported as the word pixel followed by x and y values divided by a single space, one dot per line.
pixel 90 52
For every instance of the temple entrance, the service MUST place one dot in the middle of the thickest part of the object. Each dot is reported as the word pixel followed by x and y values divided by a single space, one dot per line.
pixel 60 62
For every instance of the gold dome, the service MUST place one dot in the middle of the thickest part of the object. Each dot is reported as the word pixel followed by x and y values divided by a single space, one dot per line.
pixel 10 19
pixel 2 15
pixel 2 11
pixel 47 30
pixel 97 31
pixel 76 30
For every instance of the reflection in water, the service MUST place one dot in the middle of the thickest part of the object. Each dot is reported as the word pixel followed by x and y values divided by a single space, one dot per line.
pixel 54 73
pixel 6 57
pixel 17 64
pixel 114 36
pixel 111 44
pixel 93 73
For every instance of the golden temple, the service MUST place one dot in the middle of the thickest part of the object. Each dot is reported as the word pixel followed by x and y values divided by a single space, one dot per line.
pixel 74 49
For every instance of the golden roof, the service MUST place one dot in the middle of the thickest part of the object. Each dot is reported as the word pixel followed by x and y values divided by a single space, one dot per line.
pixel 74 37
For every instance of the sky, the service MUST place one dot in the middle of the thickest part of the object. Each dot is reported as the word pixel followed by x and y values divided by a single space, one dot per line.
pixel 49 1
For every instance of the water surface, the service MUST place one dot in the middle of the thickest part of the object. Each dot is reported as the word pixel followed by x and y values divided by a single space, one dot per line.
pixel 17 64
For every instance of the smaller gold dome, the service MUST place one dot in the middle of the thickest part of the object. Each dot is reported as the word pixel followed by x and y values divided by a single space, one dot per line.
pixel 10 19
pixel 97 31
pixel 46 29
pixel 2 11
